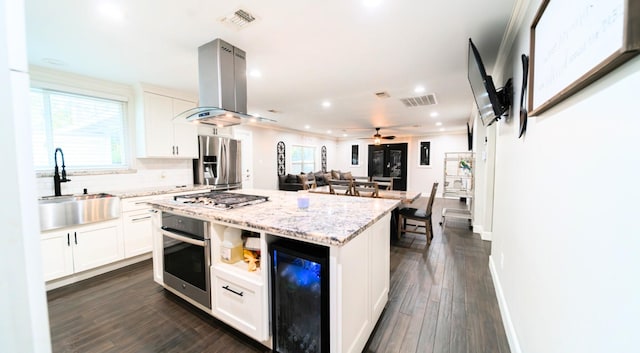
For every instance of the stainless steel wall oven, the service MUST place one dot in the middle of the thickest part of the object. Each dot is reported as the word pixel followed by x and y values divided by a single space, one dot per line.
pixel 186 257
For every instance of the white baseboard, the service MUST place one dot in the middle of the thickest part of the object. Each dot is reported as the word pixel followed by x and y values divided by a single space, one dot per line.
pixel 477 228
pixel 514 345
pixel 77 277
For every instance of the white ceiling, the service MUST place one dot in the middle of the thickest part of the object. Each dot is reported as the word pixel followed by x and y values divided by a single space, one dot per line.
pixel 342 51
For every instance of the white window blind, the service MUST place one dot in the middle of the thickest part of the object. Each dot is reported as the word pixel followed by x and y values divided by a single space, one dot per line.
pixel 302 159
pixel 89 130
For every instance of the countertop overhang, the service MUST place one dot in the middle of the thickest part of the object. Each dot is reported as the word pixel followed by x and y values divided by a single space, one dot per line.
pixel 330 219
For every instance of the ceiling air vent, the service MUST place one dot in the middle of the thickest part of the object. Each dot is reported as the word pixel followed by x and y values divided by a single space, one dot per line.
pixel 382 94
pixel 428 99
pixel 239 19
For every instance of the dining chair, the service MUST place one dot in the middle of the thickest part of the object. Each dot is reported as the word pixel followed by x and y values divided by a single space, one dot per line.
pixel 341 187
pixel 384 183
pixel 365 188
pixel 418 215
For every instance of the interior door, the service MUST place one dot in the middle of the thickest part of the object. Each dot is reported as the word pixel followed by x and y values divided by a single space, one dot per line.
pixel 247 157
pixel 389 160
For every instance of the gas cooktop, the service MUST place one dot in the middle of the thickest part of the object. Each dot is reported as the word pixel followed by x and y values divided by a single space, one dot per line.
pixel 221 200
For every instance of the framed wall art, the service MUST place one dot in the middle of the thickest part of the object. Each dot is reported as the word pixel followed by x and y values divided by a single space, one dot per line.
pixel 355 156
pixel 574 43
pixel 425 153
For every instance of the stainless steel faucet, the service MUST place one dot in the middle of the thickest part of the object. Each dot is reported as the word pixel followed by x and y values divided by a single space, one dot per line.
pixel 56 176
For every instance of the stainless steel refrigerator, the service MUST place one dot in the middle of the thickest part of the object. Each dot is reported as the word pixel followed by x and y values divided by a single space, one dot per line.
pixel 219 164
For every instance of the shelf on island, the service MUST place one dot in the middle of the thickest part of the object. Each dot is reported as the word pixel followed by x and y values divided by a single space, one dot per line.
pixel 240 269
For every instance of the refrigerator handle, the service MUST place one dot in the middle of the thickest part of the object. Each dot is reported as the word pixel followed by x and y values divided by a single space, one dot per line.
pixel 224 161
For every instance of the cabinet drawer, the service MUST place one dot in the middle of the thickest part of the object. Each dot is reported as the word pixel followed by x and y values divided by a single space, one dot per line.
pixel 138 231
pixel 239 304
pixel 136 203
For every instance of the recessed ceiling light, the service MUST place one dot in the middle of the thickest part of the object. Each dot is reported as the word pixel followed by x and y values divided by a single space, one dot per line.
pixel 419 89
pixel 345 135
pixel 255 73
pixel 111 11
pixel 371 3
pixel 434 114
pixel 328 131
pixel 441 129
pixel 326 104
pixel 438 124
pixel 307 127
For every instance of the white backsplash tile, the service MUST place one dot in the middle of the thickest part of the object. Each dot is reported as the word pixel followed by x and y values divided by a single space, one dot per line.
pixel 148 173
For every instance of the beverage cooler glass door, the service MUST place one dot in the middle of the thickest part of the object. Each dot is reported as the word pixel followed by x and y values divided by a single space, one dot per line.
pixel 300 297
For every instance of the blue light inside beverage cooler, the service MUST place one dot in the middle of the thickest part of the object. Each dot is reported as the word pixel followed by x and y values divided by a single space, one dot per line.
pixel 300 272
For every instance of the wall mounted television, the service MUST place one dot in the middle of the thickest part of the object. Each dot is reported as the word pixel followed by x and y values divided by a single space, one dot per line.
pixel 492 104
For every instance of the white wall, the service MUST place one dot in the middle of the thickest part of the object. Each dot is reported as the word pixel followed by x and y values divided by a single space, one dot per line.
pixel 265 139
pixel 565 233
pixel 420 178
pixel 24 324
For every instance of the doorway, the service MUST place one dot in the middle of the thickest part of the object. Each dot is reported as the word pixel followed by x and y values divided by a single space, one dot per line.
pixel 389 160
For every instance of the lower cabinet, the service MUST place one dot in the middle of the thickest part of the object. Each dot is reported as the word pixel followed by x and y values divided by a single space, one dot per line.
pixel 138 230
pixel 239 303
pixel 81 248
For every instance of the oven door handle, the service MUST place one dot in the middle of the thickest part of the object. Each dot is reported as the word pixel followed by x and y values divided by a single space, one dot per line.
pixel 184 239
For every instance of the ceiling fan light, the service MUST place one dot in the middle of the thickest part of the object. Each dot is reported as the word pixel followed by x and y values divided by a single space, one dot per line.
pixel 376 141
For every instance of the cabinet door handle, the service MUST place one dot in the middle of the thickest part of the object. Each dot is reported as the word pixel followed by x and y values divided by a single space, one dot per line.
pixel 173 150
pixel 139 219
pixel 177 150
pixel 68 240
pixel 232 291
pixel 75 238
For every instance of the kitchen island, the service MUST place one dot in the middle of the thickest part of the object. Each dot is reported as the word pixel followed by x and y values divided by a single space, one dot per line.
pixel 355 231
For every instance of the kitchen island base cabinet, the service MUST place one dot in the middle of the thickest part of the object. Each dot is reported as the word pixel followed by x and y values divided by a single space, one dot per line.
pixel 238 302
pixel 358 261
pixel 359 286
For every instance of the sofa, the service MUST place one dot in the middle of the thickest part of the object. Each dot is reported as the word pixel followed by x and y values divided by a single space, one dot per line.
pixel 292 182
pixel 305 181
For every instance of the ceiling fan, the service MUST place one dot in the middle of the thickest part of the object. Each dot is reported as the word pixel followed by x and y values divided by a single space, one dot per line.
pixel 377 137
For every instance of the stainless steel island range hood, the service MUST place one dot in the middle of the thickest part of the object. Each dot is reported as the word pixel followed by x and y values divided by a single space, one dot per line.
pixel 222 76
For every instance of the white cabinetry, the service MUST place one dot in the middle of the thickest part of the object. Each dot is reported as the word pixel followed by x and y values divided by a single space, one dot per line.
pixel 158 134
pixel 136 226
pixel 78 249
pixel 137 222
pixel 359 280
pixel 239 296
pixel 239 303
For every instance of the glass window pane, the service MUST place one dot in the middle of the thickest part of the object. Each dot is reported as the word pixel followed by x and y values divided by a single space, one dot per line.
pixel 89 130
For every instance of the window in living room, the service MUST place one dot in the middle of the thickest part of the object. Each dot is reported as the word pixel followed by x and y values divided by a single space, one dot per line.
pixel 303 159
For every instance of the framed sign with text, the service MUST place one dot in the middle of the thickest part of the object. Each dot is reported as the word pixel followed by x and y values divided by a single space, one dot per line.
pixel 574 43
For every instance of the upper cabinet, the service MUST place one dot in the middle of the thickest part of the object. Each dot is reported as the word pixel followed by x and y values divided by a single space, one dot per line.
pixel 158 135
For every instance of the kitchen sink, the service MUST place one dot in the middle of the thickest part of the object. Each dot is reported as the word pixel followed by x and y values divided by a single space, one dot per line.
pixel 68 210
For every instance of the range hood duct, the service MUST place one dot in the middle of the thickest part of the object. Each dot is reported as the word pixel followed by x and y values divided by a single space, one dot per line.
pixel 222 78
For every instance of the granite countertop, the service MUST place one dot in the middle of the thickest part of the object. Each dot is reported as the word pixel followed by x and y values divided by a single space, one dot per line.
pixel 159 190
pixel 330 219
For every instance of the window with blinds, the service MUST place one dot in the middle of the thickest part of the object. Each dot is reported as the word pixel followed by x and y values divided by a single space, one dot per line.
pixel 89 130
pixel 302 159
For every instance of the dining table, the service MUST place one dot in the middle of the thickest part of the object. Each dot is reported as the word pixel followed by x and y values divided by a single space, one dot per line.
pixel 405 197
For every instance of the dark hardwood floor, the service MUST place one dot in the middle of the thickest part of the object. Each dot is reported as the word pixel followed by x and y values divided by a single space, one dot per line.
pixel 442 299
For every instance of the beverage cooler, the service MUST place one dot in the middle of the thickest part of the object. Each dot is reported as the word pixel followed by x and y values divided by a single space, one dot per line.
pixel 299 297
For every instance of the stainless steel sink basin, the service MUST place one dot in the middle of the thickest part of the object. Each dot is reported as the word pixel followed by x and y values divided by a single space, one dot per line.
pixel 68 210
